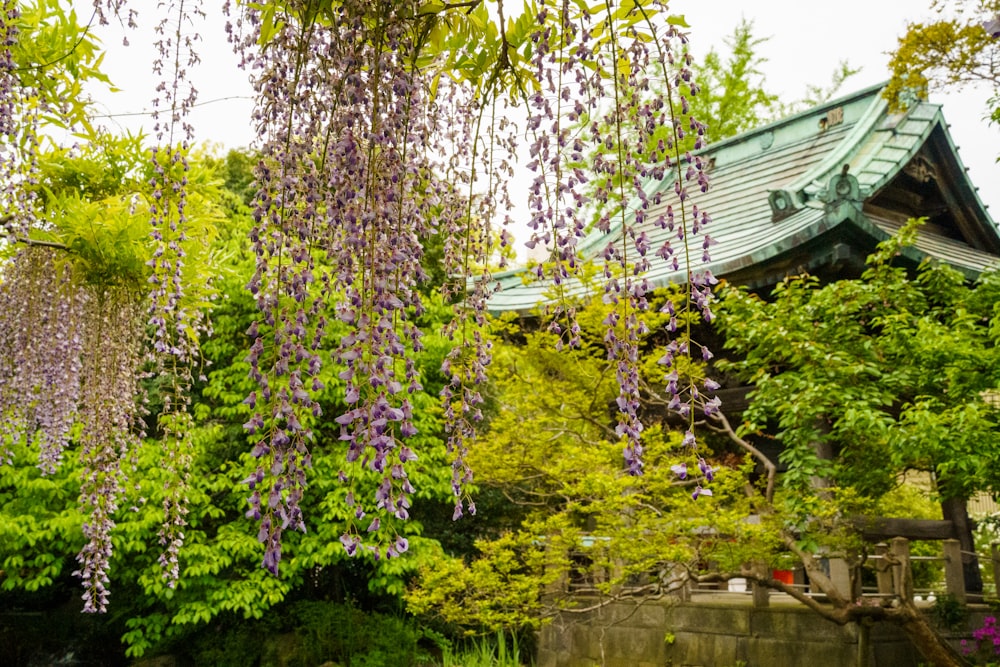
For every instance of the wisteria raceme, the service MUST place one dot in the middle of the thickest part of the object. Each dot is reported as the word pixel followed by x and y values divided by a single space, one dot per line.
pixel 111 422
pixel 71 353
pixel 689 170
pixel 347 143
pixel 485 140
pixel 42 330
pixel 176 327
pixel 20 111
pixel 102 8
pixel 8 67
pixel 608 125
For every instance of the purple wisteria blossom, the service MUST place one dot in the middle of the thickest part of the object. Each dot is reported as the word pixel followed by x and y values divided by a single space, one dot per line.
pixel 360 167
pixel 611 132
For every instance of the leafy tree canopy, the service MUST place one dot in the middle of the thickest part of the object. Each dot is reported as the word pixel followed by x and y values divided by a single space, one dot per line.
pixel 960 47
pixel 894 372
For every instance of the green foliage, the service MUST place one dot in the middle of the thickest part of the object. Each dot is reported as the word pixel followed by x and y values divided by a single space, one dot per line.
pixel 948 612
pixel 96 198
pixel 888 372
pixel 466 42
pixel 357 639
pixel 55 57
pixel 499 590
pixel 310 632
pixel 952 51
pixel 586 526
pixel 733 97
pixel 485 652
pixel 39 524
pixel 986 534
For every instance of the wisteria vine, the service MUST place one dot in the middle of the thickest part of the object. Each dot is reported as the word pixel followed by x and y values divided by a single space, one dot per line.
pixel 377 136
pixel 176 327
pixel 611 126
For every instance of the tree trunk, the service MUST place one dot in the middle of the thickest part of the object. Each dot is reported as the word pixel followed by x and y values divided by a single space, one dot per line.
pixel 904 613
pixel 930 644
pixel 956 511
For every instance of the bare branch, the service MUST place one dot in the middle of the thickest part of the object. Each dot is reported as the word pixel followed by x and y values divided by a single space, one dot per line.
pixel 37 243
pixel 723 426
pixel 814 570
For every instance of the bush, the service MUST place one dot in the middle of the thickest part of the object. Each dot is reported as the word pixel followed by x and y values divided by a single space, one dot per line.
pixel 309 633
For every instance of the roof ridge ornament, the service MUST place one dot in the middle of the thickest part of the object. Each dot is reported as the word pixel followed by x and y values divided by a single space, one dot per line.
pixel 783 203
pixel 842 188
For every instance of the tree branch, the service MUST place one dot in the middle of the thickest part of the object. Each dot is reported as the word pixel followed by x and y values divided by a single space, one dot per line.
pixel 9 217
pixel 37 243
pixel 815 573
pixel 772 470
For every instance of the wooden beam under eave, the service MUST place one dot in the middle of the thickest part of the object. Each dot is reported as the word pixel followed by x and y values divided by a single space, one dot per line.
pixel 879 529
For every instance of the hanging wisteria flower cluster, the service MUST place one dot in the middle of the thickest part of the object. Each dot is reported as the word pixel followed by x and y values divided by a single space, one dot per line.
pixel 18 131
pixel 381 129
pixel 41 341
pixel 612 130
pixel 112 425
pixel 351 190
pixel 71 353
pixel 176 328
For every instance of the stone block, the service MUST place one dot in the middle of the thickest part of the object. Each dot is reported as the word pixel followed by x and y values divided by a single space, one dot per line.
pixel 794 624
pixel 546 658
pixel 766 652
pixel 650 615
pixel 704 649
pixel 638 645
pixel 708 618
pixel 900 652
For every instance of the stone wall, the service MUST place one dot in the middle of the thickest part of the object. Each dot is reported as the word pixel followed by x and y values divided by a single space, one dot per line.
pixel 722 633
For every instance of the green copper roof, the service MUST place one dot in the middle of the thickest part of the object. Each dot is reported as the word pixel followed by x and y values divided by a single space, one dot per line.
pixel 780 203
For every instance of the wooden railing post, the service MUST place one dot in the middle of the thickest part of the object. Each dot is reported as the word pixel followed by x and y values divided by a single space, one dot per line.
pixel 954 576
pixel 883 573
pixel 761 594
pixel 902 576
pixel 840 576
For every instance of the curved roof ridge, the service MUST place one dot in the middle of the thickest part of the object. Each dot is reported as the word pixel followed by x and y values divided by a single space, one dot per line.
pixel 795 117
pixel 834 161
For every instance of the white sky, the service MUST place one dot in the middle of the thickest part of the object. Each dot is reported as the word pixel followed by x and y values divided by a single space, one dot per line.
pixel 806 42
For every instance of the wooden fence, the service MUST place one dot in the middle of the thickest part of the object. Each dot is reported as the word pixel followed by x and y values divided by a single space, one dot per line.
pixel 893 567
